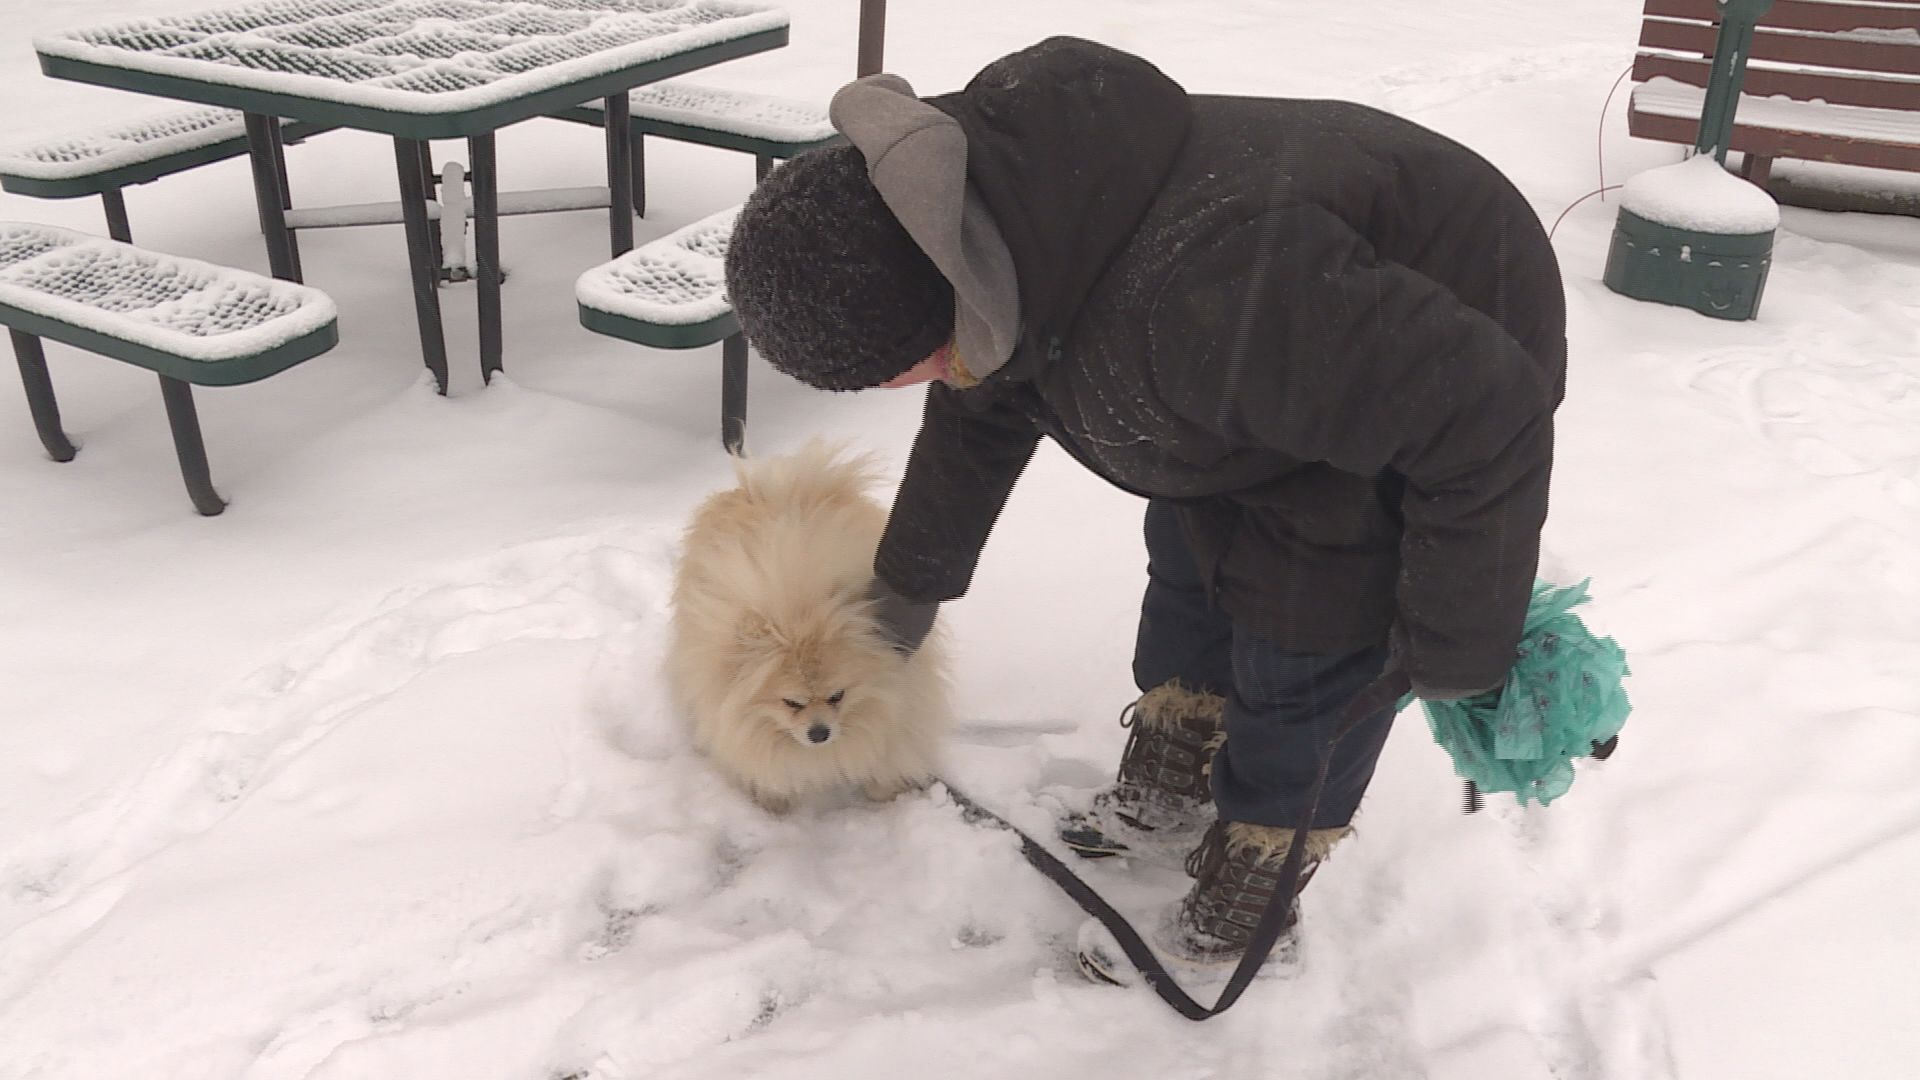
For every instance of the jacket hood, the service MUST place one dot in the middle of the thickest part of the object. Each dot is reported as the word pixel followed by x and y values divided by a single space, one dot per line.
pixel 1023 185
pixel 1068 144
pixel 917 159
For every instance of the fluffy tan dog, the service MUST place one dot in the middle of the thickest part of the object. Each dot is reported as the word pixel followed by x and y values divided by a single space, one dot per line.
pixel 775 657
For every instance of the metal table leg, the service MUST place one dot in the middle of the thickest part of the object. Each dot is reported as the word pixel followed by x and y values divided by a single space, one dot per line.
pixel 286 196
pixel 421 259
pixel 620 173
pixel 262 133
pixel 189 446
pixel 639 175
pixel 486 244
pixel 433 224
pixel 733 392
pixel 118 226
pixel 40 400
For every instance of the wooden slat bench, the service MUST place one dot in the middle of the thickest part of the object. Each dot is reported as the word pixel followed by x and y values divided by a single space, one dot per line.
pixel 191 322
pixel 1827 80
pixel 106 160
pixel 770 128
pixel 670 293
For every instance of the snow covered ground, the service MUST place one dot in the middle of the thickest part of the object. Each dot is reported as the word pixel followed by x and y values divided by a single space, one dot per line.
pixel 370 777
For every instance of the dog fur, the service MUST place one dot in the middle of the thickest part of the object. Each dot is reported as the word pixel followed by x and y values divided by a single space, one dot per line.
pixel 774 644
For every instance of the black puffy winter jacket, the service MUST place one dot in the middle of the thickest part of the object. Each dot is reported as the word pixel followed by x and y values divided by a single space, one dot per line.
pixel 1334 337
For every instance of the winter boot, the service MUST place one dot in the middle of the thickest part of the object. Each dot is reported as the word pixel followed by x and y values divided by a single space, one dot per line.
pixel 1162 796
pixel 1236 870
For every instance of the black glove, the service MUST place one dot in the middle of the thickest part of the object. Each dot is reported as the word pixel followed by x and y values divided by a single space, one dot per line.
pixel 906 623
pixel 1399 650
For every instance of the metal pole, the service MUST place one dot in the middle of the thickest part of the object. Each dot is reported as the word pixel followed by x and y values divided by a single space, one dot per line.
pixel 286 196
pixel 1737 21
pixel 486 249
pixel 40 399
pixel 733 393
pixel 421 259
pixel 188 445
pixel 620 173
pixel 268 197
pixel 873 37
pixel 118 226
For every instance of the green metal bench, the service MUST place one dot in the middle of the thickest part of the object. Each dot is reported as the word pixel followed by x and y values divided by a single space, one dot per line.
pixel 670 293
pixel 770 128
pixel 107 160
pixel 191 322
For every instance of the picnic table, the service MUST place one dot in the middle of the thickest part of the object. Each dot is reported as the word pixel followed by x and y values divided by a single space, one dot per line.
pixel 419 70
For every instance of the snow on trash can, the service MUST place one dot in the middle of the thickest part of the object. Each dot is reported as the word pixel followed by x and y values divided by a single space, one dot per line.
pixel 1695 236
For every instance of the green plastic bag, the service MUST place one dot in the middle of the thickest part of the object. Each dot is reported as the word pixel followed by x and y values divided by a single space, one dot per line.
pixel 1563 696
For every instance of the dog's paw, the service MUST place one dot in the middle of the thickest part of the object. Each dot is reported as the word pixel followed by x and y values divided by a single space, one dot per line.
pixel 885 790
pixel 889 790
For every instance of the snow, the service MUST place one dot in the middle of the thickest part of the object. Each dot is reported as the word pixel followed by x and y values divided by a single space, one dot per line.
pixel 1699 194
pixel 1663 96
pixel 412 56
pixel 679 279
pixel 87 153
pixel 755 116
pixel 370 776
pixel 184 307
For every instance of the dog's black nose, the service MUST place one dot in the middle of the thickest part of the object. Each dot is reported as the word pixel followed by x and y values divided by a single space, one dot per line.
pixel 819 733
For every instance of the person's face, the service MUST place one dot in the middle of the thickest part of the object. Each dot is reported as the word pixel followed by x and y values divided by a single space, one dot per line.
pixel 936 366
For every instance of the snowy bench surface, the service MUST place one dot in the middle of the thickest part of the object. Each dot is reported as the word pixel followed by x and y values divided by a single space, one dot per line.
pixel 1832 80
pixel 1668 97
pixel 668 293
pixel 114 148
pixel 764 117
pixel 412 56
pixel 190 320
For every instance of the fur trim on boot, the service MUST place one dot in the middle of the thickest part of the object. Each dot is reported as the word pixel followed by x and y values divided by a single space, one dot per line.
pixel 1162 795
pixel 1271 843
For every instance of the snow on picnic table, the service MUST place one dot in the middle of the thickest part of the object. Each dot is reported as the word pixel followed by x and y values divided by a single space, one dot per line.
pixel 370 776
pixel 409 55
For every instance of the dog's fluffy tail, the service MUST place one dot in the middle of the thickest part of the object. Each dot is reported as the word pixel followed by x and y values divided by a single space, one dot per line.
pixel 819 474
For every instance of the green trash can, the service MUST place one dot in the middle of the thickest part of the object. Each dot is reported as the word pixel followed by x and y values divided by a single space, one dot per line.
pixel 1709 250
pixel 1717 274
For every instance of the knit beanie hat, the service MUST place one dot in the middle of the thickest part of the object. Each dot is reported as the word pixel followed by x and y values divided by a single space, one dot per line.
pixel 826 282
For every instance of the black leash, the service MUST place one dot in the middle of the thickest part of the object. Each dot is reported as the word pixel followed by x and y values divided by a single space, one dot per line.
pixel 1382 693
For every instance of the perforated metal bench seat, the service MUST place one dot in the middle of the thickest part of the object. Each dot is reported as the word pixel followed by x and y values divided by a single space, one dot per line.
pixel 670 293
pixel 191 322
pixel 768 127
pixel 105 160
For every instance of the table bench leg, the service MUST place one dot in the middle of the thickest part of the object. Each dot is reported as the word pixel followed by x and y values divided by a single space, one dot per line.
pixel 263 137
pixel 620 173
pixel 118 226
pixel 639 175
pixel 762 165
pixel 286 196
pixel 733 393
pixel 421 259
pixel 486 249
pixel 432 178
pixel 189 446
pixel 40 400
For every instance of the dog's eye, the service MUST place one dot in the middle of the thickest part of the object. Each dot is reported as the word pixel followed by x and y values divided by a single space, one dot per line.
pixel 796 706
pixel 834 698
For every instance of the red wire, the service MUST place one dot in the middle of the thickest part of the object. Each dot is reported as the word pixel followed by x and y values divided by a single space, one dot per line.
pixel 1599 156
pixel 1577 202
pixel 1599 142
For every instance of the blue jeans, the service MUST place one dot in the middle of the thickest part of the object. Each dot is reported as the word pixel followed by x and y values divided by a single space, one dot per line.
pixel 1281 707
